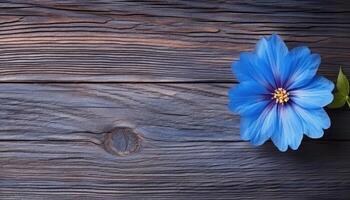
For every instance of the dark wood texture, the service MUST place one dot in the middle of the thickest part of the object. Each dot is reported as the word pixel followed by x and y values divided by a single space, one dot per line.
pixel 153 41
pixel 128 100
pixel 150 141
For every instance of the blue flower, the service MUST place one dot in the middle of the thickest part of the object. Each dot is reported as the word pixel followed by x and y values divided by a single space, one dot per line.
pixel 279 95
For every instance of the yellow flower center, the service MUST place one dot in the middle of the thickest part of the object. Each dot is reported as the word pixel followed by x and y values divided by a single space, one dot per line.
pixel 281 96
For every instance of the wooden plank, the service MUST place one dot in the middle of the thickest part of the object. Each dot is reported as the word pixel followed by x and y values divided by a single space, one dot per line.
pixel 159 41
pixel 162 169
pixel 178 111
pixel 152 141
pixel 181 112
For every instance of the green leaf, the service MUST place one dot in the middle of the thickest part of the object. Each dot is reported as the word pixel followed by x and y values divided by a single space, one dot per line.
pixel 342 83
pixel 339 100
pixel 348 101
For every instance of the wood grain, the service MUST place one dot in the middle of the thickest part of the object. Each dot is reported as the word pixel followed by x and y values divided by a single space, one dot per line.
pixel 159 41
pixel 165 169
pixel 128 100
pixel 181 112
pixel 151 141
pixel 178 111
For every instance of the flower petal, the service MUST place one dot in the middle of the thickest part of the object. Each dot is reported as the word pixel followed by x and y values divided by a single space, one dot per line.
pixel 314 121
pixel 250 68
pixel 274 53
pixel 318 93
pixel 247 98
pixel 290 129
pixel 302 67
pixel 259 128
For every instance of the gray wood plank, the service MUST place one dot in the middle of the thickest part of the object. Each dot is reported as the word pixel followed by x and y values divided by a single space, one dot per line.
pixel 162 169
pixel 152 141
pixel 180 112
pixel 159 41
pixel 176 111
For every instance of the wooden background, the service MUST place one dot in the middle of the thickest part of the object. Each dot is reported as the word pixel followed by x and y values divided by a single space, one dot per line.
pixel 128 100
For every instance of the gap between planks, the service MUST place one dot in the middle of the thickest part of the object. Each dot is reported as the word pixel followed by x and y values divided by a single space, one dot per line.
pixel 117 82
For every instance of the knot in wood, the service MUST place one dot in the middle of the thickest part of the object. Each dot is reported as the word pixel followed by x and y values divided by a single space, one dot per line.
pixel 122 141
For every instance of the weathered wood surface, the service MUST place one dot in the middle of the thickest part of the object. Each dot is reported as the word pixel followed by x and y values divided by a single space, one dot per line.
pixel 151 141
pixel 181 112
pixel 173 170
pixel 84 115
pixel 151 41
